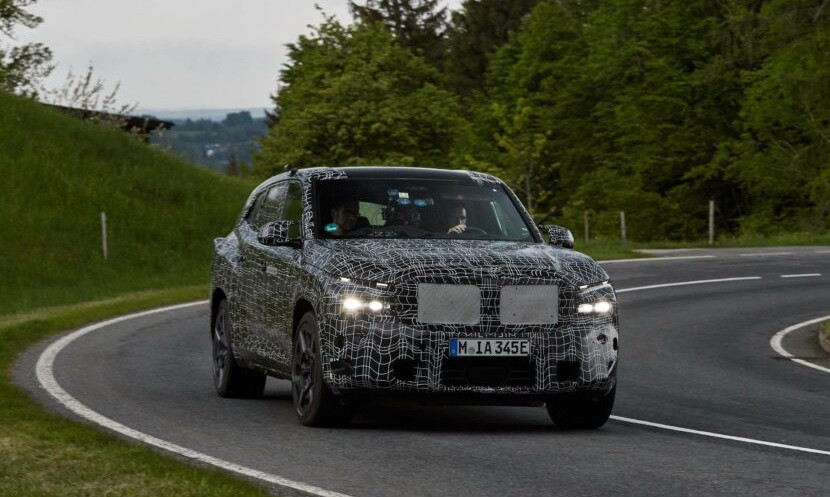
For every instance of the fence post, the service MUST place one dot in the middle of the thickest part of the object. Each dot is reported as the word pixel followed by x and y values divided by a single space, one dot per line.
pixel 587 227
pixel 104 234
pixel 711 222
pixel 622 226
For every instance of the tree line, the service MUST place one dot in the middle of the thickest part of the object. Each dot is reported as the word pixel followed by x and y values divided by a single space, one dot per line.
pixel 652 107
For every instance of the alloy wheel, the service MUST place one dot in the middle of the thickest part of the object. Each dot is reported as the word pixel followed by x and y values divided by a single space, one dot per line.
pixel 302 377
pixel 220 350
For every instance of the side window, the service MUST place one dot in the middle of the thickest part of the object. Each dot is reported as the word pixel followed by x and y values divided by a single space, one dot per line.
pixel 293 210
pixel 254 208
pixel 271 207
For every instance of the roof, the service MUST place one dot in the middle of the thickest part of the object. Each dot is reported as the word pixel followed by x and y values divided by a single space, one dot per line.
pixel 359 172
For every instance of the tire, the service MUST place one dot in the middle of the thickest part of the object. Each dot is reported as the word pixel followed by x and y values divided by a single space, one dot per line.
pixel 314 402
pixel 581 410
pixel 229 378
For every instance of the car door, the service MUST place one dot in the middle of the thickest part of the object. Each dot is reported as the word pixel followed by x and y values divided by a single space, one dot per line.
pixel 252 294
pixel 282 276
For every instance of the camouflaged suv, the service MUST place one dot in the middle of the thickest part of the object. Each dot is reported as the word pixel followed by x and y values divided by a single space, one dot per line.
pixel 420 282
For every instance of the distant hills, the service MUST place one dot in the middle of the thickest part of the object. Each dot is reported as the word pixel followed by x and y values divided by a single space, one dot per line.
pixel 196 114
pixel 225 144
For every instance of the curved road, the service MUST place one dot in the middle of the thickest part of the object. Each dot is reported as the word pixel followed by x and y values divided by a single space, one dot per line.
pixel 692 356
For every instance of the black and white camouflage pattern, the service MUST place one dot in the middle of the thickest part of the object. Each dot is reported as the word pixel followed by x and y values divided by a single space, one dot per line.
pixel 269 288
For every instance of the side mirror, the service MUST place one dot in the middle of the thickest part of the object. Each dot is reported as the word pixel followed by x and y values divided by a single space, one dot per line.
pixel 559 236
pixel 277 233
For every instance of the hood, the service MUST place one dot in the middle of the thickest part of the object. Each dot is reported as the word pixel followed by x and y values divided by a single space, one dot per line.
pixel 390 260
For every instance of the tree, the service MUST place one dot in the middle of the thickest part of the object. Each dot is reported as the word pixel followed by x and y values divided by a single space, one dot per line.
pixel 21 67
pixel 418 25
pixel 475 32
pixel 782 153
pixel 241 118
pixel 352 95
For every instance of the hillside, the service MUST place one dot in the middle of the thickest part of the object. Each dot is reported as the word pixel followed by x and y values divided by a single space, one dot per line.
pixel 60 173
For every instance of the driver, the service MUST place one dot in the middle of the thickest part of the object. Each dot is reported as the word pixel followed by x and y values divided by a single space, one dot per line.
pixel 456 220
pixel 345 214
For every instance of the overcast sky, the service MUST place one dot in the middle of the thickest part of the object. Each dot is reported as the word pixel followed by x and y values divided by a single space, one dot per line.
pixel 179 54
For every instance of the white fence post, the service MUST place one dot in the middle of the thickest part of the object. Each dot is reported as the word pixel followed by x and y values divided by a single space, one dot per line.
pixel 711 222
pixel 104 234
pixel 622 226
pixel 587 227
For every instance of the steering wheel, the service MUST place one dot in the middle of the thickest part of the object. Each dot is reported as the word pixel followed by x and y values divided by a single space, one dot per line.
pixel 472 230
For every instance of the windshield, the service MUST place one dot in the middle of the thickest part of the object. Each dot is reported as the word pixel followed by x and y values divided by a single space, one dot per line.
pixel 410 208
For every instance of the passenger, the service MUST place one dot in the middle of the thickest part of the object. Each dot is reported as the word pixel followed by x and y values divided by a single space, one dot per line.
pixel 345 214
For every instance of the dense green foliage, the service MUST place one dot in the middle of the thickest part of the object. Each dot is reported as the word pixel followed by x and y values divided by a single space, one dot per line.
pixel 478 29
pixel 418 25
pixel 652 107
pixel 227 145
pixel 59 174
pixel 352 95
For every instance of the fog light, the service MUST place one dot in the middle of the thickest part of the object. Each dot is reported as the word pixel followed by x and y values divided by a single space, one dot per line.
pixel 375 305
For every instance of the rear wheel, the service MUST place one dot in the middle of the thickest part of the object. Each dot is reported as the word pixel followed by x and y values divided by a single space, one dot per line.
pixel 229 378
pixel 581 410
pixel 314 402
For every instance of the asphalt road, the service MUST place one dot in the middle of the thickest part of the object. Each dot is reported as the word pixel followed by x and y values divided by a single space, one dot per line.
pixel 693 356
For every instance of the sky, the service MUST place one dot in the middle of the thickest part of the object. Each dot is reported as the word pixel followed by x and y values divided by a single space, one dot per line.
pixel 178 54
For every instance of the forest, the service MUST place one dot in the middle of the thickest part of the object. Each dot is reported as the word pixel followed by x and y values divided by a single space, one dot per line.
pixel 651 107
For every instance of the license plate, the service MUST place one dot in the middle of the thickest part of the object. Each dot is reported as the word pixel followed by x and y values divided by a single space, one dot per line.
pixel 460 347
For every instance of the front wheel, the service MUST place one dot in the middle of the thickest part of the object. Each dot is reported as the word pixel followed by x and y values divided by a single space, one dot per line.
pixel 581 410
pixel 313 401
pixel 229 378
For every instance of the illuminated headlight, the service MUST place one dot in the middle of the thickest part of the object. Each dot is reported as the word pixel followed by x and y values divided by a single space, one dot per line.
pixel 353 305
pixel 598 307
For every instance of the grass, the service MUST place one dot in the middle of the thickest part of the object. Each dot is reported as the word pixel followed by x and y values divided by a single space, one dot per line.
pixel 43 454
pixel 605 249
pixel 59 173
pixel 825 329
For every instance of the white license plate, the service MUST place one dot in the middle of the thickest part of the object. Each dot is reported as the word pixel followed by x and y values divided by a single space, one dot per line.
pixel 460 347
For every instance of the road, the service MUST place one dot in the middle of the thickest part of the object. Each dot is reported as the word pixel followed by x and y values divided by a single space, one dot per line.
pixel 694 356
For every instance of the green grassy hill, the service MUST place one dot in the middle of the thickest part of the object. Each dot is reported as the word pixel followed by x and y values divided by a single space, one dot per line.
pixel 60 173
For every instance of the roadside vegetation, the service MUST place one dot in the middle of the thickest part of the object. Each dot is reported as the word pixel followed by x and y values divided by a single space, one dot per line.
pixel 60 173
pixel 825 331
pixel 651 108
pixel 44 454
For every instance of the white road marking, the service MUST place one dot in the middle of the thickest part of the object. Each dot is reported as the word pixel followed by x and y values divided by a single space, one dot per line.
pixel 685 283
pixel 46 377
pixel 761 254
pixel 775 343
pixel 805 275
pixel 720 435
pixel 658 259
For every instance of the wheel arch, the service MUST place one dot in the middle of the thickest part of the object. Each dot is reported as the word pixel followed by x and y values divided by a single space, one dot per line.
pixel 216 297
pixel 300 308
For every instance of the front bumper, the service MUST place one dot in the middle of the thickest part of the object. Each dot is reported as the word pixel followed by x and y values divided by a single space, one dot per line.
pixel 382 355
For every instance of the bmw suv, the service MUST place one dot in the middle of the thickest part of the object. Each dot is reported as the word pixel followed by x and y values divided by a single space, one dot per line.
pixel 427 283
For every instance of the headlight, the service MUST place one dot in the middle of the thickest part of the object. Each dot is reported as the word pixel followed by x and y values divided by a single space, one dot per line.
pixel 599 307
pixel 352 305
